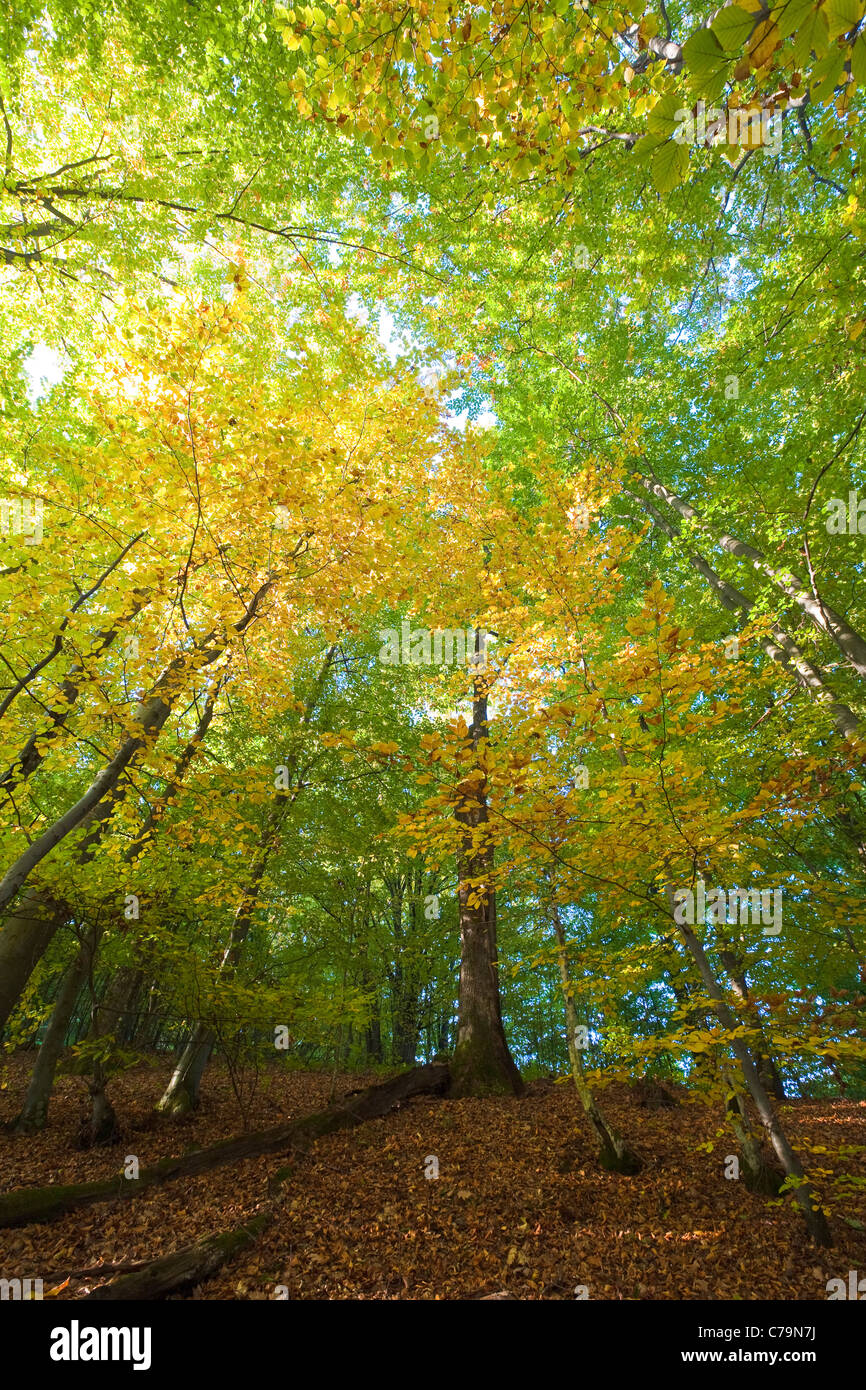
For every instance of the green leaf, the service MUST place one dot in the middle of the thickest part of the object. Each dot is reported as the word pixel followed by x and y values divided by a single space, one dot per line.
pixel 670 166
pixel 646 147
pixel 858 61
pixel 666 115
pixel 702 53
pixel 826 75
pixel 843 15
pixel 711 87
pixel 791 15
pixel 732 26
pixel 811 38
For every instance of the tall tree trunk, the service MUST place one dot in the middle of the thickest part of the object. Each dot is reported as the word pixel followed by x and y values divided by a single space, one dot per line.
pixel 104 1023
pixel 25 938
pixel 826 619
pixel 147 1019
pixel 182 1093
pixel 613 1152
pixel 401 977
pixel 129 1022
pixel 812 1214
pixel 34 1112
pixel 764 1062
pixel 482 1063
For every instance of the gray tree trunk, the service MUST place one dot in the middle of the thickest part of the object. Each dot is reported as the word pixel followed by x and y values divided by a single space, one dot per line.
pixel 34 1112
pixel 825 619
pixel 182 1092
pixel 784 650
pixel 812 1214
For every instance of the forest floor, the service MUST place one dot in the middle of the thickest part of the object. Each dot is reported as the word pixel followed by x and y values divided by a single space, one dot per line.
pixel 520 1205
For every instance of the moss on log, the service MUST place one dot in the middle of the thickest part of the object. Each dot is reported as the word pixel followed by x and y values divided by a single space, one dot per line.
pixel 184 1267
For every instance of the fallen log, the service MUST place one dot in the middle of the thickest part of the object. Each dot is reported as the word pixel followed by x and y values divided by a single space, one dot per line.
pixel 188 1266
pixel 194 1263
pixel 35 1204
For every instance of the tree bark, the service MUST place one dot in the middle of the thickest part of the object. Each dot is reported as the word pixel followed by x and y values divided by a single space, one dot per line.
pixel 482 1063
pixel 181 1095
pixel 613 1153
pixel 825 619
pixel 761 1177
pixel 105 1022
pixel 34 1112
pixel 764 1064
pixel 812 1214
pixel 24 940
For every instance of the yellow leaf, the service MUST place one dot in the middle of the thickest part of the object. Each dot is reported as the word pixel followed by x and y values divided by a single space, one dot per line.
pixel 765 41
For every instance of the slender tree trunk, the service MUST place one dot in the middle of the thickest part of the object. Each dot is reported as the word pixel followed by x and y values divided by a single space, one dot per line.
pixel 826 619
pixel 104 1023
pixel 34 1112
pixel 146 1022
pixel 760 1176
pixel 482 1063
pixel 400 975
pixel 129 1022
pixel 812 1214
pixel 374 1034
pixel 784 650
pixel 613 1152
pixel 149 716
pixel 182 1093
pixel 764 1064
